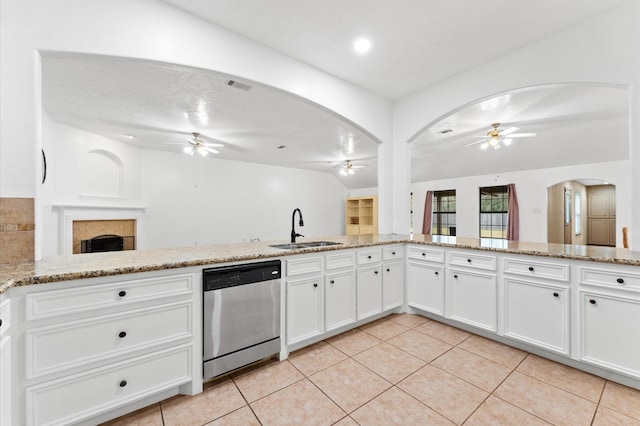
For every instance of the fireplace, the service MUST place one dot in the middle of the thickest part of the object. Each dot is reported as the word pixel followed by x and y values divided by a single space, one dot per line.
pixel 109 242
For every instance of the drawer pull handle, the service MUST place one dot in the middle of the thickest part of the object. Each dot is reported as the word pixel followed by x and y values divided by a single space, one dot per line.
pixel 455 276
pixel 393 253
pixel 388 270
pixel 123 383
pixel 531 268
pixel 375 272
pixel 424 254
pixel 315 285
pixel 620 281
pixel 592 301
pixel 469 260
pixel 368 257
pixel 122 334
pixel 555 295
pixel 332 281
pixel 0 322
pixel 122 293
pixel 436 272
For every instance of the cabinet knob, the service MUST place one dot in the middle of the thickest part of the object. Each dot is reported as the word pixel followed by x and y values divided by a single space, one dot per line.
pixel 592 301
pixel 122 334
pixel 436 272
pixel 556 295
pixel 531 268
pixel 620 281
pixel 368 257
pixel 469 260
pixel 393 253
pixel 123 383
pixel 455 276
pixel 0 322
pixel 375 272
pixel 388 270
pixel 424 254
pixel 122 293
pixel 315 284
pixel 332 281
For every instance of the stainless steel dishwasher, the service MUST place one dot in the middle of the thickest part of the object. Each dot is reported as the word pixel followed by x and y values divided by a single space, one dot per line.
pixel 241 315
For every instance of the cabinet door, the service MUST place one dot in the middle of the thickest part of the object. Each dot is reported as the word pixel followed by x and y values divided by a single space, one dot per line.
pixel 392 285
pixel 340 299
pixel 471 298
pixel 537 314
pixel 5 381
pixel 304 309
pixel 369 291
pixel 425 287
pixel 609 332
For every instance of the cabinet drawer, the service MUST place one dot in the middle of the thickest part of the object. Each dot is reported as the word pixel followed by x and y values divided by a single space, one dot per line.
pixel 54 303
pixel 536 269
pixel 473 260
pixel 340 260
pixel 75 398
pixel 391 253
pixel 5 316
pixel 304 265
pixel 55 348
pixel 605 278
pixel 426 253
pixel 369 256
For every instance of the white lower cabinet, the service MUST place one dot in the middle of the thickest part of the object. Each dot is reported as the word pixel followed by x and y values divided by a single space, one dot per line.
pixel 537 313
pixel 392 285
pixel 425 286
pixel 72 399
pixel 340 299
pixel 304 309
pixel 472 298
pixel 369 291
pixel 5 362
pixel 609 331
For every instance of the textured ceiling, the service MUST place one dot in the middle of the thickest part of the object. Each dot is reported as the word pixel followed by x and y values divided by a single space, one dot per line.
pixel 415 43
pixel 162 104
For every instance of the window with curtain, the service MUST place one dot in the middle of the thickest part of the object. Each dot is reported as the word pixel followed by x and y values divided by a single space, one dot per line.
pixel 444 213
pixel 494 203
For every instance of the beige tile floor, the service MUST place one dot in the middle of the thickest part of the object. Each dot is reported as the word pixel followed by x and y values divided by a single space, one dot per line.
pixel 404 370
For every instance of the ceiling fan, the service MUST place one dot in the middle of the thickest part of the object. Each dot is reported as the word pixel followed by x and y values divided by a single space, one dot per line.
pixel 197 145
pixel 496 138
pixel 348 168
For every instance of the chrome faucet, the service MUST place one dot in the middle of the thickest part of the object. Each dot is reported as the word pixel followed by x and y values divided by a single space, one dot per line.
pixel 294 234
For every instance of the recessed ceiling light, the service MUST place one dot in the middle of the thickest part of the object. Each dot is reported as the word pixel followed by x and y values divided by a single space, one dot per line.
pixel 281 146
pixel 362 45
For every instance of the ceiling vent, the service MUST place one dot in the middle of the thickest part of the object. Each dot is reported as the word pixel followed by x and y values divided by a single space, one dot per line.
pixel 238 85
pixel 444 132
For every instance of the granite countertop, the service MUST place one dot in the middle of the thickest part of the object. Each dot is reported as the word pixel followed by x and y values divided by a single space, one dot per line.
pixel 64 268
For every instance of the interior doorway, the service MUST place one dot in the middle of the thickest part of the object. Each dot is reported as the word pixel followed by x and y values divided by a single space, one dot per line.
pixel 582 211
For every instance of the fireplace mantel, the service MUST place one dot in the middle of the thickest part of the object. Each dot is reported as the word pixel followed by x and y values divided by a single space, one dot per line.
pixel 69 213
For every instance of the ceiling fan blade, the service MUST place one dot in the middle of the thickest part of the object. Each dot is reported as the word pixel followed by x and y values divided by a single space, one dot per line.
pixel 217 145
pixel 211 150
pixel 522 135
pixel 476 142
pixel 509 130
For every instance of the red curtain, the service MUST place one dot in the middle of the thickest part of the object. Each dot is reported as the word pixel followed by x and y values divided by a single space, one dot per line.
pixel 513 214
pixel 428 212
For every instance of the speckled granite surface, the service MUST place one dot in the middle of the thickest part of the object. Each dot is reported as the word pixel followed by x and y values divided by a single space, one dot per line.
pixel 63 268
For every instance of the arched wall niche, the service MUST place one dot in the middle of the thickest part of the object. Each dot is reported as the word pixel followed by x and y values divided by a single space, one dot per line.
pixel 102 174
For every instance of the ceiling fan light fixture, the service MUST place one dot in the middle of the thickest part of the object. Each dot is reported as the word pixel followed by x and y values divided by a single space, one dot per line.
pixel 507 141
pixel 484 145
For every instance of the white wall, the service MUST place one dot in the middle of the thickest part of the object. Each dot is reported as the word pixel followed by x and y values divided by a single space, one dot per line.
pixel 605 50
pixel 531 188
pixel 233 201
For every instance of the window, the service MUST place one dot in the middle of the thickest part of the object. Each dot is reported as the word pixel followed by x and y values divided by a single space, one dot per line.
pixel 578 214
pixel 444 213
pixel 493 212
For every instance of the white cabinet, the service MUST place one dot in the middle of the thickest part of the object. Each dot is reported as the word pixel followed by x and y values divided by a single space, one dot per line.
pixel 392 277
pixel 425 286
pixel 609 303
pixel 304 309
pixel 369 291
pixel 5 362
pixel 536 306
pixel 538 314
pixel 471 289
pixel 117 343
pixel 340 298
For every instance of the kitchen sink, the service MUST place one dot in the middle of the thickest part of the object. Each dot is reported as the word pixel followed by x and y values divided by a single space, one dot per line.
pixel 293 246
